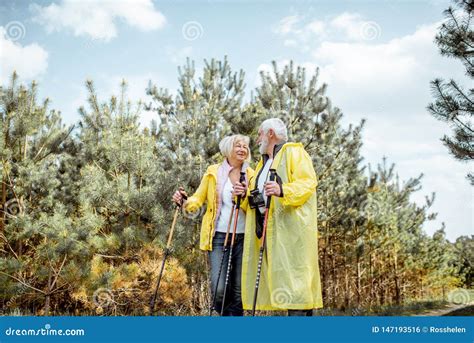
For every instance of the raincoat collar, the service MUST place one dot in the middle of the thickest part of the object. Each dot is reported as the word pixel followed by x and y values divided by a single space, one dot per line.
pixel 276 149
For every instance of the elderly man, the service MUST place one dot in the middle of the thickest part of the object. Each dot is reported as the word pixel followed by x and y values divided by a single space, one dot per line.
pixel 290 272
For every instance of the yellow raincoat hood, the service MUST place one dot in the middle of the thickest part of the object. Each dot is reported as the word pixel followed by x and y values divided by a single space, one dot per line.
pixel 290 271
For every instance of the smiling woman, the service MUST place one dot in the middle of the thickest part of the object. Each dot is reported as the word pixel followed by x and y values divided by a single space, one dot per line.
pixel 216 191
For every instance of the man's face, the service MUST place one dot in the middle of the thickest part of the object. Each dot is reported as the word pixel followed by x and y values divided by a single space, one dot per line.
pixel 262 142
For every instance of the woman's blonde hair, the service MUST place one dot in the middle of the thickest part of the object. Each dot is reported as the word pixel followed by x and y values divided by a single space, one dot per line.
pixel 227 144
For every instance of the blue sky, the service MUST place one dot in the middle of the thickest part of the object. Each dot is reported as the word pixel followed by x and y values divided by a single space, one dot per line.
pixel 376 56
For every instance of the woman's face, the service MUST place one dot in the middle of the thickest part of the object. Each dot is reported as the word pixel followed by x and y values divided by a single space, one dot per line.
pixel 240 151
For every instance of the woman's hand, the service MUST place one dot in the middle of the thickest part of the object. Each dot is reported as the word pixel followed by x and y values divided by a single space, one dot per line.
pixel 239 189
pixel 179 195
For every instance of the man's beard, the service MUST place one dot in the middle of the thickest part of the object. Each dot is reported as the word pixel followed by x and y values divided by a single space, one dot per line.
pixel 263 146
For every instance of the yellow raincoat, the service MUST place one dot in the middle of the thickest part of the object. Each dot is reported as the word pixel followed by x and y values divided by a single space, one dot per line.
pixel 206 192
pixel 290 271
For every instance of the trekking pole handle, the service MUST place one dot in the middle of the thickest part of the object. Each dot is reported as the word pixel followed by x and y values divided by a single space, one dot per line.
pixel 242 177
pixel 241 180
pixel 272 178
pixel 185 197
pixel 273 174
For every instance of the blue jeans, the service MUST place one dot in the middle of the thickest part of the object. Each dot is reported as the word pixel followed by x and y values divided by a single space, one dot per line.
pixel 233 298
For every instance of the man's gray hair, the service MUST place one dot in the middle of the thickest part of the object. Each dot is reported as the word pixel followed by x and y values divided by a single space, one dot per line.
pixel 278 126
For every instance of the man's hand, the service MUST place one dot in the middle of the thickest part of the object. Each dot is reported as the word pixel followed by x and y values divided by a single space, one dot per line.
pixel 178 196
pixel 239 189
pixel 272 188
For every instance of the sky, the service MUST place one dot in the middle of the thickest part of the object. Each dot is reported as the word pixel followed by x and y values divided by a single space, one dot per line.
pixel 377 58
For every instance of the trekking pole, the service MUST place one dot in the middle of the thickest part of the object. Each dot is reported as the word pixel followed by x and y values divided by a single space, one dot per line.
pixel 224 250
pixel 262 245
pixel 237 209
pixel 167 252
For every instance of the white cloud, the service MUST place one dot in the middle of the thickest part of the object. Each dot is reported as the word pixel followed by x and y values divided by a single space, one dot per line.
pixel 290 42
pixel 317 27
pixel 363 74
pixel 354 27
pixel 344 27
pixel 287 25
pixel 98 19
pixel 29 61
pixel 375 78
pixel 349 23
pixel 389 76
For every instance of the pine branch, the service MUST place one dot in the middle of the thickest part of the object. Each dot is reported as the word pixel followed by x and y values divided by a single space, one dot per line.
pixel 23 283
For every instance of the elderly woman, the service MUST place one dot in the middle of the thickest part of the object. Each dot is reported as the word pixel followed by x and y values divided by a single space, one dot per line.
pixel 216 189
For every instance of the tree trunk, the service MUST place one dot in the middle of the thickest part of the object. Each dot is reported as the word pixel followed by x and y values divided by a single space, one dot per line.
pixel 397 281
pixel 48 296
pixel 3 202
pixel 358 282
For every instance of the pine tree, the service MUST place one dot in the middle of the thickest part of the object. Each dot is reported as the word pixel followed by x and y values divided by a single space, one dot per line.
pixel 42 244
pixel 191 124
pixel 453 104
pixel 187 133
pixel 120 182
pixel 464 247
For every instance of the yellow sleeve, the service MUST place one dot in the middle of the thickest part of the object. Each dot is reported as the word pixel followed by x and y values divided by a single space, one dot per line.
pixel 303 176
pixel 195 201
